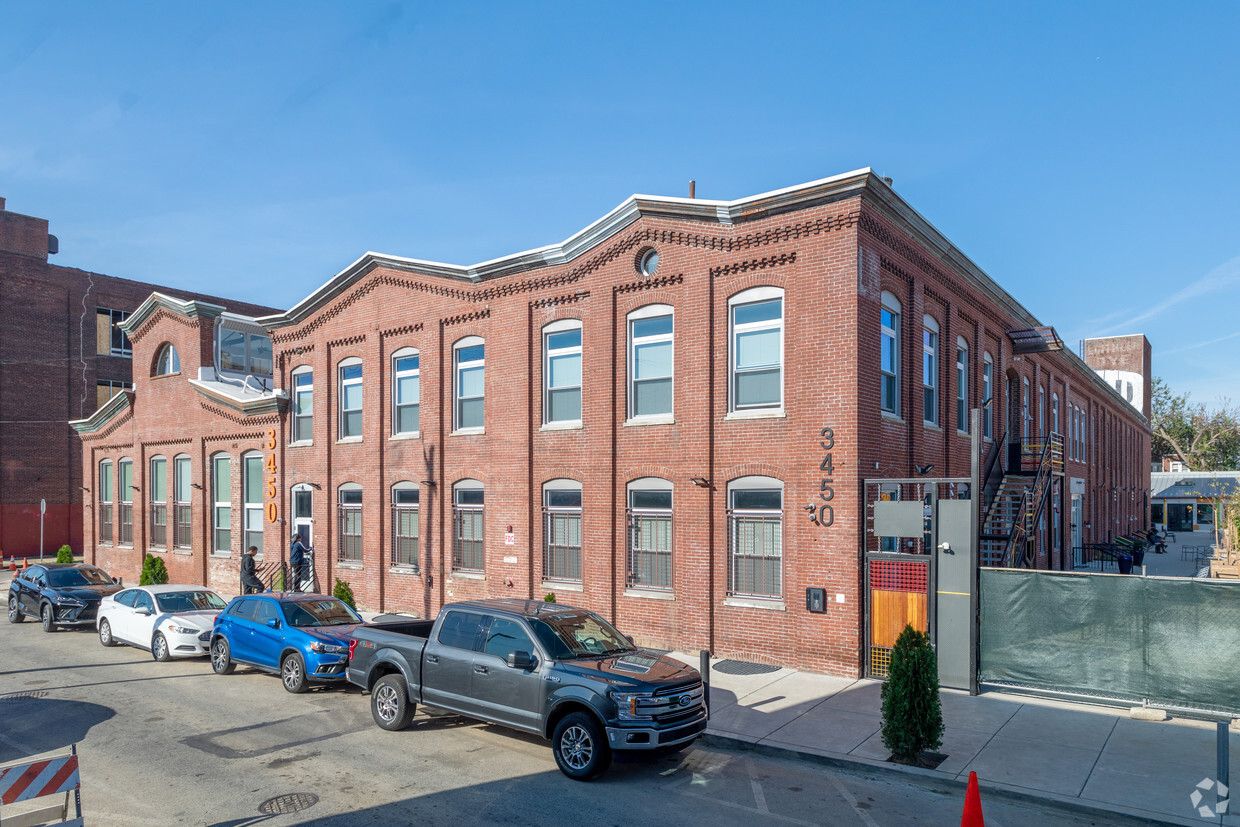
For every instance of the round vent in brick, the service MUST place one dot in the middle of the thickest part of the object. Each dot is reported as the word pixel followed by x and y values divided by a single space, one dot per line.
pixel 648 261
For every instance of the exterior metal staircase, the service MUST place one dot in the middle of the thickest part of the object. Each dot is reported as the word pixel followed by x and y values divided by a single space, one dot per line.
pixel 1018 503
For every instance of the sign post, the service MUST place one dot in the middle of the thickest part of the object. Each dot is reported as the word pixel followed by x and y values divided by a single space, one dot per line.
pixel 42 511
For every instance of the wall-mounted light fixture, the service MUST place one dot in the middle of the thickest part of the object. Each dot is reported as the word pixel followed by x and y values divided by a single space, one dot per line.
pixel 195 485
pixel 428 483
pixel 700 482
pixel 315 486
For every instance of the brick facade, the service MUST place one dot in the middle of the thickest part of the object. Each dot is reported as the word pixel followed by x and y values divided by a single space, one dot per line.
pixel 828 249
pixel 48 377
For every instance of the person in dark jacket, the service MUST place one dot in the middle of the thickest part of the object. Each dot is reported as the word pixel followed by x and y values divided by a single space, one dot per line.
pixel 249 577
pixel 297 560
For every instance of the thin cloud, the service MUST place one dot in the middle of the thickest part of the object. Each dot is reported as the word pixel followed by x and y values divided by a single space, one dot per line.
pixel 1201 344
pixel 1222 278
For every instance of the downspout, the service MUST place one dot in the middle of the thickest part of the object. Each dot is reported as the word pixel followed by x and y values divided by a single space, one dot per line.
pixel 710 464
pixel 529 449
pixel 445 529
pixel 615 425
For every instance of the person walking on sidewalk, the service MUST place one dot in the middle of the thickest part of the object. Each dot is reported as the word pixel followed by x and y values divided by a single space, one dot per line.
pixel 249 577
pixel 297 560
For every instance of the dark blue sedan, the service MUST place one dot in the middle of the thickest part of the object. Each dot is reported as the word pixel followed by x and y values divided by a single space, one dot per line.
pixel 300 637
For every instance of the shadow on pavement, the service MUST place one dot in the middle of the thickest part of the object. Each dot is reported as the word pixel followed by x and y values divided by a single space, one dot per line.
pixel 34 725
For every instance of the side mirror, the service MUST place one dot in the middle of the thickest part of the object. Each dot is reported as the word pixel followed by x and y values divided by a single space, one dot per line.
pixel 273 623
pixel 145 611
pixel 521 660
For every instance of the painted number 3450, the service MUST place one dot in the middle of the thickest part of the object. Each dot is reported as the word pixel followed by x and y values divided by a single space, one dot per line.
pixel 824 513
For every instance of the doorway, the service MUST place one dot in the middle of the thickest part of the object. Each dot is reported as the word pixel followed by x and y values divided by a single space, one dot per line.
pixel 1179 516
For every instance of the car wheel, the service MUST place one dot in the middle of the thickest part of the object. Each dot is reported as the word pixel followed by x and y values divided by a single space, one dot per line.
pixel 15 611
pixel 221 657
pixel 49 619
pixel 580 748
pixel 105 633
pixel 159 648
pixel 390 704
pixel 293 673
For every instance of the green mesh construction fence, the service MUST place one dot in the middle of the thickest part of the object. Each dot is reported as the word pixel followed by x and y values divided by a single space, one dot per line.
pixel 1175 642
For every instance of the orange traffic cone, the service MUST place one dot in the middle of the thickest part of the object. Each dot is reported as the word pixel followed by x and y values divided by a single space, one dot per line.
pixel 972 816
pixel 25 563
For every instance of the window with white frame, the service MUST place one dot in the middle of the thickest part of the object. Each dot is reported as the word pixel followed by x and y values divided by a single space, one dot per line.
pixel 407 391
pixel 930 371
pixel 962 385
pixel 651 361
pixel 168 362
pixel 252 499
pixel 349 518
pixel 757 352
pixel 104 499
pixel 755 537
pixel 157 486
pixel 183 522
pixel 110 340
pixel 562 530
pixel 469 357
pixel 405 527
pixel 221 510
pixel 889 359
pixel 351 398
pixel 650 534
pixel 468 547
pixel 1055 413
pixel 124 473
pixel 1026 415
pixel 303 404
pixel 988 396
pixel 562 372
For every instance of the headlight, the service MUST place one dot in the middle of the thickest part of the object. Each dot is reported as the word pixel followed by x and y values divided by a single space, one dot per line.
pixel 628 704
pixel 67 601
pixel 183 630
pixel 329 649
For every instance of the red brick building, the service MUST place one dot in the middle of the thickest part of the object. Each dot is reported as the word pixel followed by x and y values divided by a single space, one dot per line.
pixel 632 419
pixel 63 357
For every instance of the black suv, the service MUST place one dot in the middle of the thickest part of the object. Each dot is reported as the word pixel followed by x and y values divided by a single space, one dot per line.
pixel 59 594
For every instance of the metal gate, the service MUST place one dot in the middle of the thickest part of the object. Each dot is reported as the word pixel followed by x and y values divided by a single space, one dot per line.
pixel 919 564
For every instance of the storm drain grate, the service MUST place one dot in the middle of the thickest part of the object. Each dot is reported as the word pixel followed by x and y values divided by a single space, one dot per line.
pixel 740 667
pixel 289 803
pixel 38 693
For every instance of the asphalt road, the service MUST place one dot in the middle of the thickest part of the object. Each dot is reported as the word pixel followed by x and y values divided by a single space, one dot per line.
pixel 170 744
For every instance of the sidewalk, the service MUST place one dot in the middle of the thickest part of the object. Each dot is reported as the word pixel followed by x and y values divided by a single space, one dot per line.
pixel 1093 757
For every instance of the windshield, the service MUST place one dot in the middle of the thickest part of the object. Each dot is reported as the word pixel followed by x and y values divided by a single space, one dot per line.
pixel 67 578
pixel 175 602
pixel 579 635
pixel 326 612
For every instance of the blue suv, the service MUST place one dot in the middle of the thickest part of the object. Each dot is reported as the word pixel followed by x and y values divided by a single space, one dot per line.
pixel 300 637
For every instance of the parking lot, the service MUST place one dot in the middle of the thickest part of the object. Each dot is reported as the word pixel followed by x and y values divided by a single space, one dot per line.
pixel 173 743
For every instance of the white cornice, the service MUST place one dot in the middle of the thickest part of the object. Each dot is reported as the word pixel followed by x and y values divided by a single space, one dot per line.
pixel 190 309
pixel 112 408
pixel 250 406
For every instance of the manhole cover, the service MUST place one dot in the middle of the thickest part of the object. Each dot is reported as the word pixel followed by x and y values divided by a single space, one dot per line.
pixel 38 693
pixel 290 803
pixel 740 667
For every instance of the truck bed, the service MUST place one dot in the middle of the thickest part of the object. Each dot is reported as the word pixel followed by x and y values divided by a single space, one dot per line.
pixel 409 628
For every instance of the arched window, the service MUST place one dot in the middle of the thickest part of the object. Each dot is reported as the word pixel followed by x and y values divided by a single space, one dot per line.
pixel 252 499
pixel 469 359
pixel 405 528
pixel 1026 414
pixel 468 545
pixel 755 537
pixel 124 473
pixel 651 362
pixel 889 359
pixel 562 372
pixel 104 501
pixel 157 488
pixel 650 533
pixel 168 361
pixel 350 521
pixel 930 370
pixel 1055 413
pixel 988 396
pixel 756 318
pixel 351 398
pixel 562 530
pixel 406 391
pixel 962 385
pixel 221 498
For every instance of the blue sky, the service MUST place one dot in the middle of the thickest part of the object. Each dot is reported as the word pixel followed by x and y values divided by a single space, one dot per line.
pixel 1083 154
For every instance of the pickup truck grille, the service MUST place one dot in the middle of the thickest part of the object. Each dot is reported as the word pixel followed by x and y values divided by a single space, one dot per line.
pixel 669 705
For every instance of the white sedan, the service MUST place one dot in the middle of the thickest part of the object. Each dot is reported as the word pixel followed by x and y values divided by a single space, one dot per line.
pixel 169 621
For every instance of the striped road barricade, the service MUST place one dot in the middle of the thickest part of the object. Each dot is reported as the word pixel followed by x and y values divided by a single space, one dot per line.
pixel 36 779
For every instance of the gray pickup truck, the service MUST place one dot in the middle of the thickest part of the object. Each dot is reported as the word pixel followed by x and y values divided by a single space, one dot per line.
pixel 561 672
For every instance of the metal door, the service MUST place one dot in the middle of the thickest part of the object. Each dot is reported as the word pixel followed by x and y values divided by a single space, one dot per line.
pixel 897 567
pixel 954 610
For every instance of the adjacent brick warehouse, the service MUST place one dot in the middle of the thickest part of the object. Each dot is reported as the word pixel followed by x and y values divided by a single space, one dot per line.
pixel 828 255
pixel 50 373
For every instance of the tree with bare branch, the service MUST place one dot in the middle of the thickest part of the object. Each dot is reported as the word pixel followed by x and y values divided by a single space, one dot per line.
pixel 1204 438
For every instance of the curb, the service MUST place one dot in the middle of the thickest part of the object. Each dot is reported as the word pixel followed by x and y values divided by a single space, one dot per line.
pixel 932 779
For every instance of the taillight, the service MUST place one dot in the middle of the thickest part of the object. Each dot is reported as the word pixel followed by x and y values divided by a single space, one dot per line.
pixel 352 646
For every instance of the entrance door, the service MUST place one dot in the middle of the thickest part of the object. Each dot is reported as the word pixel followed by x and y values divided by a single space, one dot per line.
pixel 1180 516
pixel 303 521
pixel 1076 522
